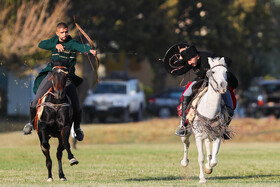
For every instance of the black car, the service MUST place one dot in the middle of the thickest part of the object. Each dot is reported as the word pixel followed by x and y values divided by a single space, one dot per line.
pixel 165 104
pixel 263 99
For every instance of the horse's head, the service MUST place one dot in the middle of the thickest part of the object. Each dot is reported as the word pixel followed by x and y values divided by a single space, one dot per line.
pixel 217 74
pixel 59 78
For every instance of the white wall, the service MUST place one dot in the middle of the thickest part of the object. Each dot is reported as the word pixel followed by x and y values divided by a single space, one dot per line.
pixel 19 95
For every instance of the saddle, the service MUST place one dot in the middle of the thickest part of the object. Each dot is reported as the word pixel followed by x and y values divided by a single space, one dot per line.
pixel 195 91
pixel 198 90
pixel 193 104
pixel 42 104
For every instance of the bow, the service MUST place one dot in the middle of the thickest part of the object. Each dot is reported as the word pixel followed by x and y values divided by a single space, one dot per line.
pixel 94 68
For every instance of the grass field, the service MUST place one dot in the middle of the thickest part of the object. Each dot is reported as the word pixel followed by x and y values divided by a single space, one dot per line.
pixel 145 154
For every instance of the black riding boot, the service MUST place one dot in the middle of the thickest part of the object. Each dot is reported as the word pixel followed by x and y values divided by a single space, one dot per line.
pixel 182 131
pixel 28 127
pixel 77 129
pixel 230 113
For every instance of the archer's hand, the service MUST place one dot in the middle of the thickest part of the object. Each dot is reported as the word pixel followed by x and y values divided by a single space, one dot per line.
pixel 180 50
pixel 59 47
pixel 93 52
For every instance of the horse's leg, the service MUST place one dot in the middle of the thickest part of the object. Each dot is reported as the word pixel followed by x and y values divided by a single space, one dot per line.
pixel 46 152
pixel 65 133
pixel 59 154
pixel 215 151
pixel 186 143
pixel 208 168
pixel 199 145
pixel 44 141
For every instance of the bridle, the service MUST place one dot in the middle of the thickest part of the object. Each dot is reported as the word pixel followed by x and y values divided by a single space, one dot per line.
pixel 219 116
pixel 210 74
pixel 62 69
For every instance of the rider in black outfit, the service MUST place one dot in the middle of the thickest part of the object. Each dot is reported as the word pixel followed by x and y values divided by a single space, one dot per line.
pixel 186 59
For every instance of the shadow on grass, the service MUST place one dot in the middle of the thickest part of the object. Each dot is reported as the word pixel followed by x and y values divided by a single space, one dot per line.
pixel 240 177
pixel 168 178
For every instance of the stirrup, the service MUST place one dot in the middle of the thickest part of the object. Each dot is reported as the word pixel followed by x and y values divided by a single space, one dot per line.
pixel 181 131
pixel 27 129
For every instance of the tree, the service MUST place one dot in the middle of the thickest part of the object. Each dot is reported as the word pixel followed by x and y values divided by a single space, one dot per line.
pixel 23 25
pixel 141 28
pixel 242 30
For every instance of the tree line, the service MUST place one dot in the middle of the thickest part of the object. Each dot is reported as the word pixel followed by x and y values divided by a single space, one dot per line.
pixel 245 31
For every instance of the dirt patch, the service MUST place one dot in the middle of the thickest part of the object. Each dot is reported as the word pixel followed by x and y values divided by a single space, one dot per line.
pixel 162 130
pixel 263 130
pixel 156 131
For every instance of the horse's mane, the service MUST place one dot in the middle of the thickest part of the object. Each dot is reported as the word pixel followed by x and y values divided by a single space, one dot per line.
pixel 59 62
pixel 218 60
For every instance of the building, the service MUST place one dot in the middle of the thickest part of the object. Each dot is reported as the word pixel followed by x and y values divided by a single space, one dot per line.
pixel 16 93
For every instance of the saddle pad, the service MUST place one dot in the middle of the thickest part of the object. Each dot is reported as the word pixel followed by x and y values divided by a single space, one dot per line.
pixel 41 107
pixel 191 114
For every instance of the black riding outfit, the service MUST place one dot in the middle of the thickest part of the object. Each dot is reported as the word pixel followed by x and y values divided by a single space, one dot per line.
pixel 176 66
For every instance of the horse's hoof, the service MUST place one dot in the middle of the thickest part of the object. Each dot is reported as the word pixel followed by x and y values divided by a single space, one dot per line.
pixel 208 171
pixel 63 179
pixel 49 180
pixel 202 181
pixel 73 161
pixel 184 163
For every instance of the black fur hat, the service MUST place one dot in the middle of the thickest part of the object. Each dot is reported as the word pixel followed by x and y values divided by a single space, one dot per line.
pixel 189 53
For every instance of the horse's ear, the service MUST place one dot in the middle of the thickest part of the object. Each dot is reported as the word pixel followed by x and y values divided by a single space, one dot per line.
pixel 223 60
pixel 210 61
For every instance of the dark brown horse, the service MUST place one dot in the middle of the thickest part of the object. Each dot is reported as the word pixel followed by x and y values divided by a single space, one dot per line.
pixel 54 119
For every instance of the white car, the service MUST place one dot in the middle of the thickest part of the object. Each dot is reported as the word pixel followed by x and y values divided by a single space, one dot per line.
pixel 118 98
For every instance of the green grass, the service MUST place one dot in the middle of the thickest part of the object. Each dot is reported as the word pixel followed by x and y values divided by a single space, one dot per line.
pixel 142 165
pixel 136 155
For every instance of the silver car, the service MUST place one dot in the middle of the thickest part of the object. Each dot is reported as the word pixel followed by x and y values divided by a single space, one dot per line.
pixel 115 98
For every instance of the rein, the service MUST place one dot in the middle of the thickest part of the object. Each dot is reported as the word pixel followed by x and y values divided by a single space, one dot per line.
pixel 49 104
pixel 55 106
pixel 218 116
pixel 209 74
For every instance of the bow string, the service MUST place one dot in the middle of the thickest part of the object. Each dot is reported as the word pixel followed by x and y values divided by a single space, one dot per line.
pixel 94 68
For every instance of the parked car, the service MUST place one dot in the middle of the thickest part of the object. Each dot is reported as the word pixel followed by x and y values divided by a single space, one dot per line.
pixel 165 104
pixel 117 98
pixel 263 99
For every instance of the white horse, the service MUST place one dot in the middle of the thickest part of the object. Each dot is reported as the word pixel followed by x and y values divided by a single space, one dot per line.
pixel 208 110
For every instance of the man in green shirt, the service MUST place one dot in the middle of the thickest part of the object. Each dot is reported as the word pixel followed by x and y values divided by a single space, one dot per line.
pixel 64 49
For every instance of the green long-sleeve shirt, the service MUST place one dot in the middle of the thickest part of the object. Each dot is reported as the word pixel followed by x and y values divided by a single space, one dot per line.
pixel 69 55
pixel 71 48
